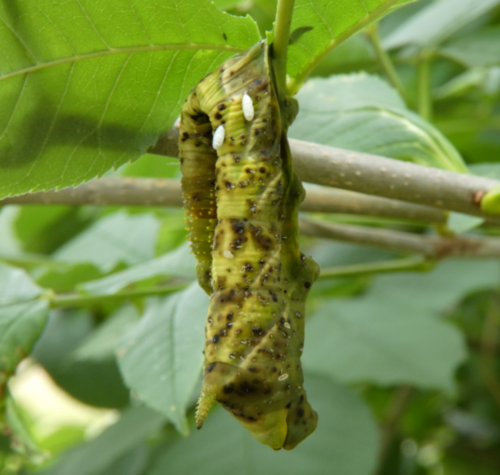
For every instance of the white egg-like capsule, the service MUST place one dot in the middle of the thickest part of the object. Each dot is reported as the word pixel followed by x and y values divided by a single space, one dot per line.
pixel 218 138
pixel 247 106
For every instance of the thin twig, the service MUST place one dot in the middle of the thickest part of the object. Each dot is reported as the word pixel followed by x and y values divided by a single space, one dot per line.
pixel 424 87
pixel 164 192
pixel 429 246
pixel 379 176
pixel 418 263
pixel 384 59
pixel 78 300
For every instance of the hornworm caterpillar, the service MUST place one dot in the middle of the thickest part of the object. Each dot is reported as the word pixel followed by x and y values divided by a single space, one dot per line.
pixel 241 199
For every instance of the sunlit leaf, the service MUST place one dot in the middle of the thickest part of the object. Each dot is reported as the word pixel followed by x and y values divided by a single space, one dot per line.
pixel 318 26
pixel 86 86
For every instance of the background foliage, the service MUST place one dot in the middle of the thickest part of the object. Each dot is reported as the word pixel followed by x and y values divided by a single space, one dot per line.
pixel 402 368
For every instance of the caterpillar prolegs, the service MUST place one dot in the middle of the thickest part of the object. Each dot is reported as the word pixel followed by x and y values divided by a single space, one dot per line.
pixel 241 199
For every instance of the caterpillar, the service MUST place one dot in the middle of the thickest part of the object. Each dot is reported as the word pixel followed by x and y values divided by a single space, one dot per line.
pixel 241 198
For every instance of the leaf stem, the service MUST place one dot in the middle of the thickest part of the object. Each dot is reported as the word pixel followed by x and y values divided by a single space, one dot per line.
pixel 385 60
pixel 284 15
pixel 75 300
pixel 418 263
pixel 424 87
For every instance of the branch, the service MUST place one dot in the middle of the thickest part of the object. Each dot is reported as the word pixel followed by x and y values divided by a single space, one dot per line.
pixel 163 192
pixel 374 175
pixel 431 247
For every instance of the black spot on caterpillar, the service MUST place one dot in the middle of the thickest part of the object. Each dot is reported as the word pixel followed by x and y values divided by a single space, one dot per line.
pixel 241 199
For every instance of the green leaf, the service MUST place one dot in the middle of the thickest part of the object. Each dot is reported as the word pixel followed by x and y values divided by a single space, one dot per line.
pixel 93 457
pixel 391 334
pixel 180 263
pixel 9 242
pixel 477 49
pixel 318 26
pixel 437 291
pixel 22 318
pixel 460 223
pixel 363 113
pixel 96 382
pixel 437 22
pixel 103 342
pixel 161 357
pixel 462 84
pixel 16 286
pixel 86 86
pixel 42 229
pixel 113 239
pixel 62 277
pixel 133 462
pixel 345 442
pixel 364 340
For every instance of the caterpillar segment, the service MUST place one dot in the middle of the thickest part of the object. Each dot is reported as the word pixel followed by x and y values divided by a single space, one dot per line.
pixel 246 197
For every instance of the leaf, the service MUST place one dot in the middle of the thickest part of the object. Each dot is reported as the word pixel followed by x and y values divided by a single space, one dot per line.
pixel 103 342
pixel 22 317
pixel 318 26
pixel 95 382
pixel 391 334
pixel 91 458
pixel 345 442
pixel 460 223
pixel 179 262
pixel 16 286
pixel 111 240
pixel 161 357
pixel 477 49
pixel 362 340
pixel 437 22
pixel 437 291
pixel 463 83
pixel 363 113
pixel 86 86
pixel 133 462
pixel 9 243
pixel 62 277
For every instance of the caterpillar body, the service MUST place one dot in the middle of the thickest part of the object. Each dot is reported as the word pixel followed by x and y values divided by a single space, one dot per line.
pixel 241 199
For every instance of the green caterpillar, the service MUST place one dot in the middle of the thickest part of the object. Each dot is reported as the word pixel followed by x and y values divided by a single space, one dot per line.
pixel 241 199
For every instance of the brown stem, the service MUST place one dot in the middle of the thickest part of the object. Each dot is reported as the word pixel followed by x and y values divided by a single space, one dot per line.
pixel 429 246
pixel 374 175
pixel 162 192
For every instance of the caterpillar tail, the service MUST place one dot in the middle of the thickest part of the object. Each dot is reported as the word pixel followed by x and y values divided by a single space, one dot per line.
pixel 205 402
